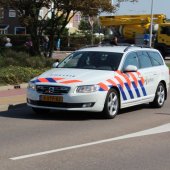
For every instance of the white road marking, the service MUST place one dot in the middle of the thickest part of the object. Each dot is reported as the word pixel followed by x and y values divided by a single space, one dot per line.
pixel 156 130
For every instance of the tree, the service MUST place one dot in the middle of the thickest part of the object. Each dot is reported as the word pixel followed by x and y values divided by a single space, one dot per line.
pixel 61 13
pixel 84 25
pixel 64 10
pixel 28 13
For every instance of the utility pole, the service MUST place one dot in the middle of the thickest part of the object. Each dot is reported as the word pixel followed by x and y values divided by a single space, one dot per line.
pixel 151 25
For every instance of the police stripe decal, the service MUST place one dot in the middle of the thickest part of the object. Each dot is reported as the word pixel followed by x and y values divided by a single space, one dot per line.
pixel 131 83
pixel 51 80
pixel 103 87
pixel 122 92
pixel 128 84
pixel 70 81
pixel 142 87
pixel 136 89
pixel 129 90
pixel 56 80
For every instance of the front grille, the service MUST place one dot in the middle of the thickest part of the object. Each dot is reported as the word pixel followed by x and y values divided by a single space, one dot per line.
pixel 53 90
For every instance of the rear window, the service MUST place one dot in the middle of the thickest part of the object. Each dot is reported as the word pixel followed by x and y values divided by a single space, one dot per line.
pixel 156 58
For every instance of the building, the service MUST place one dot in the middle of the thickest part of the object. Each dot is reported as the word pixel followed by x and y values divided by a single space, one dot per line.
pixel 9 23
pixel 74 23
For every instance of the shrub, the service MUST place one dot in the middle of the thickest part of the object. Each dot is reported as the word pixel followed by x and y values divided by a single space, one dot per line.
pixel 13 58
pixel 19 67
pixel 17 74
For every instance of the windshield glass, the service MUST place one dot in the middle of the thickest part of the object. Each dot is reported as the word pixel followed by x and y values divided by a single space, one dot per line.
pixel 92 60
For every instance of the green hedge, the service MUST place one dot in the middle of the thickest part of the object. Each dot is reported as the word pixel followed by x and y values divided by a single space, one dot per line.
pixel 10 57
pixel 19 67
pixel 17 74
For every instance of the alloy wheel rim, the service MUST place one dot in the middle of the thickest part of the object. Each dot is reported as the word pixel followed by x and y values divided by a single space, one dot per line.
pixel 161 95
pixel 112 103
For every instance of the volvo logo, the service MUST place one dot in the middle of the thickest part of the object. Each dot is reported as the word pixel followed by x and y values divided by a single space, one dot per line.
pixel 51 89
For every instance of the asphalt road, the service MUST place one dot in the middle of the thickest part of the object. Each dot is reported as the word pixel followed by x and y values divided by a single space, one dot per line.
pixel 86 141
pixel 137 139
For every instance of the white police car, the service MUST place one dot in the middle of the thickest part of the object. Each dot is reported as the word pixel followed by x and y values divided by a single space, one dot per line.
pixel 102 79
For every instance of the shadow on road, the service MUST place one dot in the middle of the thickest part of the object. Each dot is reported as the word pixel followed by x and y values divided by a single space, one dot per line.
pixel 25 112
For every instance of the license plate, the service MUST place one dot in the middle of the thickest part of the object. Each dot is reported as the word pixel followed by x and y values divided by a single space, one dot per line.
pixel 51 98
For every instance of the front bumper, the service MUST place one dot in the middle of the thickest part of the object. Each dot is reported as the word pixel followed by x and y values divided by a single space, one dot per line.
pixel 71 101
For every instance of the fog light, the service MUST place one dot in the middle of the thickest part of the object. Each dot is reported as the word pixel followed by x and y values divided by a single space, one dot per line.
pixel 88 104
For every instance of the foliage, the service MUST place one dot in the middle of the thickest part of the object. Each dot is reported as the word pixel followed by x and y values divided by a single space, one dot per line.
pixel 12 58
pixel 19 67
pixel 84 25
pixel 168 64
pixel 61 13
pixel 17 74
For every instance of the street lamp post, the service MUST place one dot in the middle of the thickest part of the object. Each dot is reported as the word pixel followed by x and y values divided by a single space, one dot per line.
pixel 151 25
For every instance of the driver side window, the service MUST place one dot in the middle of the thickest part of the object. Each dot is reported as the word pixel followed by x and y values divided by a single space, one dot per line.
pixel 131 59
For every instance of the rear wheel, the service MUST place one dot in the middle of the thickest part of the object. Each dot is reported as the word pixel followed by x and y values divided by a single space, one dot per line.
pixel 112 104
pixel 159 96
pixel 40 111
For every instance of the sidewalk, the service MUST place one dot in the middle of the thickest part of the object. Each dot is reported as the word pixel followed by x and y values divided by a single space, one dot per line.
pixel 11 97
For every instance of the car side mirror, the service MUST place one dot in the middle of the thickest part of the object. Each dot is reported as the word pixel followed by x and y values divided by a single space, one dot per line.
pixel 55 64
pixel 130 68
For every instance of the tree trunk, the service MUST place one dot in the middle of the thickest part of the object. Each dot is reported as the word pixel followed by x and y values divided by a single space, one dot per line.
pixel 51 49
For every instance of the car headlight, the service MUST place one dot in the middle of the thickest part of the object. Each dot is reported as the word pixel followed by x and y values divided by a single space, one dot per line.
pixel 31 85
pixel 87 89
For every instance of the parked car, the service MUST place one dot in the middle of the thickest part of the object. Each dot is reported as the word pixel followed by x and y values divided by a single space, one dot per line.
pixel 102 79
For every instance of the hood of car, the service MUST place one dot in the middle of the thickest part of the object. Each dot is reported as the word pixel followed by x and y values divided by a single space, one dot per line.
pixel 75 76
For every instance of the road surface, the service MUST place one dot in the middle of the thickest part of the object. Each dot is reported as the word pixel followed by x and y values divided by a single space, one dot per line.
pixel 137 139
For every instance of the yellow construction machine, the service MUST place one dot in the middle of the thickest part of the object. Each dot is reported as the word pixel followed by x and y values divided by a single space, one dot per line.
pixel 132 28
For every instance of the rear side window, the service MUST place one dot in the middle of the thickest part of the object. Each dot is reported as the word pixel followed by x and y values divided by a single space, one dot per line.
pixel 144 59
pixel 156 58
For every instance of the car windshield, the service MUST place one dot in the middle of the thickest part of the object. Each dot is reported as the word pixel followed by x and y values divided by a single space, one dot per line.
pixel 92 60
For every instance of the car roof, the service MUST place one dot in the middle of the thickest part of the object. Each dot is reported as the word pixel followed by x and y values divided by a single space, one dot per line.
pixel 116 49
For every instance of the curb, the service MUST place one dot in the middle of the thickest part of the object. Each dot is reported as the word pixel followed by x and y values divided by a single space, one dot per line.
pixel 12 87
pixel 17 104
pixel 4 108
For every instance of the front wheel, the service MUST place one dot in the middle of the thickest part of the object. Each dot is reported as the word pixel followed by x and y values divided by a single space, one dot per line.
pixel 112 104
pixel 159 96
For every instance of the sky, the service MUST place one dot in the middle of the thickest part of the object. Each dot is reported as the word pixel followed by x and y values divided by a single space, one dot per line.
pixel 144 7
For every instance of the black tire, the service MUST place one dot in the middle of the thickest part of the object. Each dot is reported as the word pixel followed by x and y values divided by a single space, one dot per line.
pixel 112 104
pixel 40 111
pixel 159 99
